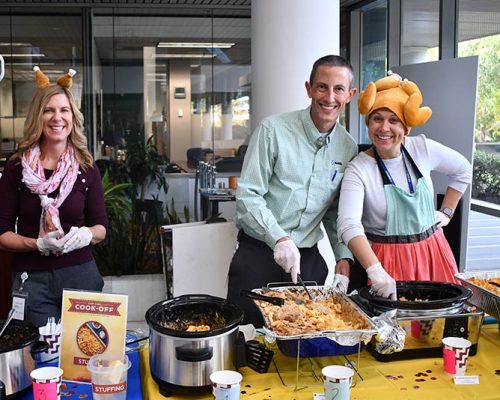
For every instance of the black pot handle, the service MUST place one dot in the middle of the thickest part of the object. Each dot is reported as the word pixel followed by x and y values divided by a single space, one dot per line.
pixel 193 355
pixel 38 347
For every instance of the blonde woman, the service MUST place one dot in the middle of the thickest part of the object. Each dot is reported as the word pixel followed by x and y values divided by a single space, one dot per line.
pixel 52 208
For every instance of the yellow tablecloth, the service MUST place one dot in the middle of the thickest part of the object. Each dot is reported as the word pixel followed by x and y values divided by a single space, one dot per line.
pixel 381 380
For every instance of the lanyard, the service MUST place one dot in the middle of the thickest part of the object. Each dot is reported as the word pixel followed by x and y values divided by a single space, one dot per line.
pixel 388 174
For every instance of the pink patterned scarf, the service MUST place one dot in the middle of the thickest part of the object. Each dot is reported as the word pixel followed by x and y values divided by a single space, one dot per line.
pixel 64 178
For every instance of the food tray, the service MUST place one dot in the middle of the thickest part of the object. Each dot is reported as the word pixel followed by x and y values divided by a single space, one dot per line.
pixel 481 297
pixel 321 343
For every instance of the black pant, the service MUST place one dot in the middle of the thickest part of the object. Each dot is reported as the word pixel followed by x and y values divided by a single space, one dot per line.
pixel 253 266
pixel 45 289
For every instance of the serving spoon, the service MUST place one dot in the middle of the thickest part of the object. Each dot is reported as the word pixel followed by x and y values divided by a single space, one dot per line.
pixel 7 322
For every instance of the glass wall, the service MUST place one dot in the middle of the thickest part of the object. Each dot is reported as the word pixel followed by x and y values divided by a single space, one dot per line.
pixel 54 43
pixel 181 76
pixel 419 31
pixel 373 51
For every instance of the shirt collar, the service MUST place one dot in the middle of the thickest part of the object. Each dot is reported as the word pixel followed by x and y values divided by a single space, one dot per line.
pixel 312 133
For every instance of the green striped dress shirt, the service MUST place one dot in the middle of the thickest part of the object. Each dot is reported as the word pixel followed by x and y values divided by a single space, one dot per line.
pixel 290 183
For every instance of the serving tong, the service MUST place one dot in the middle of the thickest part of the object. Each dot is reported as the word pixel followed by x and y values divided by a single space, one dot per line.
pixel 7 321
pixel 277 301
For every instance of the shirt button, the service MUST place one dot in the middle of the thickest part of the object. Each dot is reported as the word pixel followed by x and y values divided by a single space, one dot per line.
pixel 83 180
pixel 79 172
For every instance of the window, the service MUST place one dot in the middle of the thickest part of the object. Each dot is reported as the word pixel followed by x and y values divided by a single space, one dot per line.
pixel 479 34
pixel 419 31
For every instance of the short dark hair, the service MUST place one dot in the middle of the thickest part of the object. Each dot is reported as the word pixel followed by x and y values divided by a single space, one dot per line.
pixel 333 61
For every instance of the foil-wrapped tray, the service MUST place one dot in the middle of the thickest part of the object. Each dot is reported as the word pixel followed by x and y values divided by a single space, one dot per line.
pixel 319 339
pixel 481 297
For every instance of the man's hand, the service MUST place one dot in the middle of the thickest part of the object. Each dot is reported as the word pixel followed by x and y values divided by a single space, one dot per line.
pixel 287 256
pixel 383 284
pixel 341 283
pixel 441 219
pixel 342 273
pixel 50 243
pixel 76 238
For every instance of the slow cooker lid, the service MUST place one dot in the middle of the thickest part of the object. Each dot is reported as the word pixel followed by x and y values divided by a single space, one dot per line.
pixel 205 309
pixel 421 295
pixel 18 334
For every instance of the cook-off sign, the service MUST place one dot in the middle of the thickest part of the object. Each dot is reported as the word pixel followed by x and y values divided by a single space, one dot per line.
pixel 92 323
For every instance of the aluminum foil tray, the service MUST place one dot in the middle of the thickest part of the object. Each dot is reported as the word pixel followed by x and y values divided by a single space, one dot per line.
pixel 321 343
pixel 481 297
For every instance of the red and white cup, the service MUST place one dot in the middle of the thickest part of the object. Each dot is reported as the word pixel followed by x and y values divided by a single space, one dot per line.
pixel 47 383
pixel 455 355
pixel 337 382
pixel 226 384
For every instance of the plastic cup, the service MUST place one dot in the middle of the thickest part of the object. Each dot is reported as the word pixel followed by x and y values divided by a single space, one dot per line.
pixel 47 383
pixel 455 355
pixel 109 376
pixel 226 385
pixel 337 382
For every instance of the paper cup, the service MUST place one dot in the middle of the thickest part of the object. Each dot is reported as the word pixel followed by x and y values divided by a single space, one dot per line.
pixel 109 376
pixel 337 382
pixel 226 385
pixel 47 383
pixel 52 353
pixel 455 355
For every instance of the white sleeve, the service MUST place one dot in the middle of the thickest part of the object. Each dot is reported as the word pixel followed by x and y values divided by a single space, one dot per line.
pixel 450 163
pixel 351 200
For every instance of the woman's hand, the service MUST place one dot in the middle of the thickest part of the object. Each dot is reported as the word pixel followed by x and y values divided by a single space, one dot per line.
pixel 76 238
pixel 383 284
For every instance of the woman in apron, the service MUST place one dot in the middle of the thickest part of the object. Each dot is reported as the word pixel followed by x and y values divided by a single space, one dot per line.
pixel 386 209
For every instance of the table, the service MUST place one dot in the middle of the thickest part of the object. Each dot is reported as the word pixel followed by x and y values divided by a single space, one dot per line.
pixel 74 391
pixel 381 381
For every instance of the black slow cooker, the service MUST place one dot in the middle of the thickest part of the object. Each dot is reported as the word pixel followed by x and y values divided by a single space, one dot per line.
pixel 18 346
pixel 420 298
pixel 181 357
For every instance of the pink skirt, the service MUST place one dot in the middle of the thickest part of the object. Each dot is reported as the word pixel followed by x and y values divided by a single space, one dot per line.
pixel 428 260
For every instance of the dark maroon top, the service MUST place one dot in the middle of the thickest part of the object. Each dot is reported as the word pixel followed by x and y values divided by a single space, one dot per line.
pixel 84 206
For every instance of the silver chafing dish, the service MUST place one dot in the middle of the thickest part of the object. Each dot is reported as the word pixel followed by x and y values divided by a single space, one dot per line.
pixel 326 342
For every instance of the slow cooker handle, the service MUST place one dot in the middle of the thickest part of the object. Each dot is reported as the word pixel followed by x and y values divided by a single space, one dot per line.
pixel 194 355
pixel 38 347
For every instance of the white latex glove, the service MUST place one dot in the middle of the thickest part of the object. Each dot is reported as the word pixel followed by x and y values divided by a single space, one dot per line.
pixel 49 243
pixel 287 256
pixel 76 238
pixel 383 284
pixel 341 283
pixel 441 219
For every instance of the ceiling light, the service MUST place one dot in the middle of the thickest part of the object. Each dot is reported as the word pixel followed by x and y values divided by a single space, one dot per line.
pixel 197 45
pixel 24 55
pixel 14 44
pixel 183 55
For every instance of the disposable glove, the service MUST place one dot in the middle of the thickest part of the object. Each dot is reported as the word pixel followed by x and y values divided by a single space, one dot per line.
pixel 49 243
pixel 383 284
pixel 287 256
pixel 76 238
pixel 441 219
pixel 340 282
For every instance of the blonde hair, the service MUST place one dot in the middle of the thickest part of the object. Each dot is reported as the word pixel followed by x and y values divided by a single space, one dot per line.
pixel 33 126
